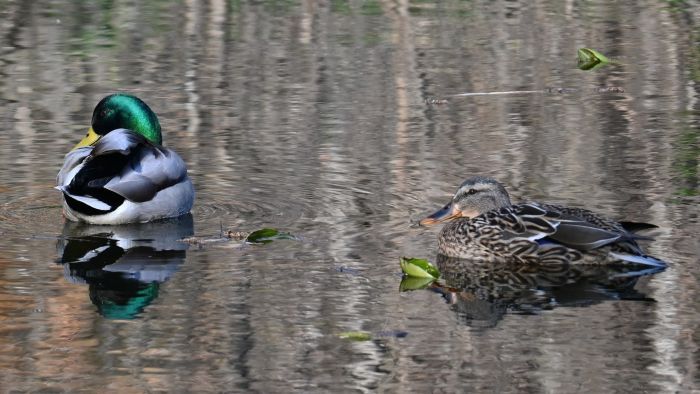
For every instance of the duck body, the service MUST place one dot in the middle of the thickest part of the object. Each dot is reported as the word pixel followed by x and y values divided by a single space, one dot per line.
pixel 483 225
pixel 123 176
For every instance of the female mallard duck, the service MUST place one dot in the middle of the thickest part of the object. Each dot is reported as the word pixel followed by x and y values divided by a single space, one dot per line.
pixel 120 173
pixel 485 226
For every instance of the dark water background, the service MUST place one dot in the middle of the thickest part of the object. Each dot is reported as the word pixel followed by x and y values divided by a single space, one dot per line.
pixel 311 117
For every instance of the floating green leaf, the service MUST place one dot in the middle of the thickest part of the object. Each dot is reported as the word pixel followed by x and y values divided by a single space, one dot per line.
pixel 419 268
pixel 356 335
pixel 409 283
pixel 587 54
pixel 267 235
pixel 589 59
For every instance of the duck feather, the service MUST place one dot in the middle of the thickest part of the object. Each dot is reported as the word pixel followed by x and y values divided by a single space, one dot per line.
pixel 128 165
pixel 483 225
pixel 121 166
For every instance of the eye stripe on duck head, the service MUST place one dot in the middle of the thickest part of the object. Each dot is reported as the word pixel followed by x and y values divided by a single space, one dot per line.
pixel 479 184
pixel 480 194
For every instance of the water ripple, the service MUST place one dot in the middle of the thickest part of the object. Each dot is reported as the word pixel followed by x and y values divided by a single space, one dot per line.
pixel 30 213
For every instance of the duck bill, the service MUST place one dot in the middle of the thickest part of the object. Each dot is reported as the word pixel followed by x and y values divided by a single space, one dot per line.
pixel 449 212
pixel 88 140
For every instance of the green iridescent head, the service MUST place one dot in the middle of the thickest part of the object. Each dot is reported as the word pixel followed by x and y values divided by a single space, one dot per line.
pixel 123 111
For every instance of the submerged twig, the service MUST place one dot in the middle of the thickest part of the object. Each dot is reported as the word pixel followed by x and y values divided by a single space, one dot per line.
pixel 224 236
pixel 436 101
pixel 200 241
pixel 606 89
pixel 237 235
pixel 497 93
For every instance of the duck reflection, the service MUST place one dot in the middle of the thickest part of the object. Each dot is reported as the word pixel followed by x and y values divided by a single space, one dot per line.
pixel 123 265
pixel 482 293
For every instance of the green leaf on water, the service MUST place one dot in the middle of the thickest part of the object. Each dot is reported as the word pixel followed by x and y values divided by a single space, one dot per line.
pixel 267 235
pixel 587 54
pixel 418 268
pixel 589 59
pixel 409 283
pixel 356 335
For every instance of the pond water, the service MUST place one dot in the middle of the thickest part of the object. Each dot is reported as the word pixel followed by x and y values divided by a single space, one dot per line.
pixel 337 122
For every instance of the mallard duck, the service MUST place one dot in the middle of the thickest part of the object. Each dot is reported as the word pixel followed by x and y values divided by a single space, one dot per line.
pixel 485 226
pixel 120 173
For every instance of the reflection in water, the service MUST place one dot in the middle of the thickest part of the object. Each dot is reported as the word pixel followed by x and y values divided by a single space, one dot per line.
pixel 482 293
pixel 311 117
pixel 123 265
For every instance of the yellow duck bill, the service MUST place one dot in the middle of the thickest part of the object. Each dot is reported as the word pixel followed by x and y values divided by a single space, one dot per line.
pixel 90 138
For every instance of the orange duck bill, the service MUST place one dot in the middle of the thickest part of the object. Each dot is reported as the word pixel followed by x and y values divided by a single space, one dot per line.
pixel 448 212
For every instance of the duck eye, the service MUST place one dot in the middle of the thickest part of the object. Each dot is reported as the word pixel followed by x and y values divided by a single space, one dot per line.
pixel 471 191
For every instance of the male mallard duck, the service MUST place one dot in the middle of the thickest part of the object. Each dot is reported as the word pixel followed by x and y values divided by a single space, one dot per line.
pixel 120 173
pixel 485 226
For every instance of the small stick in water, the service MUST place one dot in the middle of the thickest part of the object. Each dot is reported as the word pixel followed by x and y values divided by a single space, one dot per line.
pixel 606 89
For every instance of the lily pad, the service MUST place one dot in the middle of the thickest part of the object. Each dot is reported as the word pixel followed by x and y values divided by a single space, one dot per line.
pixel 409 283
pixel 358 336
pixel 267 235
pixel 589 59
pixel 419 268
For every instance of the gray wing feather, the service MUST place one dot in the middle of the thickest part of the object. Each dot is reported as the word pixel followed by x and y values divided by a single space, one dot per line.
pixel 71 165
pixel 541 221
pixel 151 170
pixel 136 189
pixel 92 202
pixel 118 141
pixel 583 236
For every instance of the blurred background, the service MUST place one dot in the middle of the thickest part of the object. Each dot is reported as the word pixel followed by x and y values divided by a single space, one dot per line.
pixel 337 121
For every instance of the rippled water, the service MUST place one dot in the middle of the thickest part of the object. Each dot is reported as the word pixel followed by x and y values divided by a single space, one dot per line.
pixel 336 122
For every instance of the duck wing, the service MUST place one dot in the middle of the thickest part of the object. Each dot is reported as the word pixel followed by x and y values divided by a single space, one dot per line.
pixel 582 235
pixel 547 233
pixel 578 229
pixel 149 169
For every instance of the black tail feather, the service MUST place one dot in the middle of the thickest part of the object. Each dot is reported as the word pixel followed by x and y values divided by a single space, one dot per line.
pixel 633 227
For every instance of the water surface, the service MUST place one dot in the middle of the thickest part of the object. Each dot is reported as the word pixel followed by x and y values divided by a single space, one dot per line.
pixel 316 118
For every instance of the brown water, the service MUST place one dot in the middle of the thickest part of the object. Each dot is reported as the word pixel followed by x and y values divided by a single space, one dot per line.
pixel 312 118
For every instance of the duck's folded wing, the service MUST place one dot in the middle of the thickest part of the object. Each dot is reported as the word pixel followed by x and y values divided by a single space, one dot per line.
pixel 524 221
pixel 71 165
pixel 154 172
pixel 149 168
pixel 71 181
pixel 583 236
pixel 536 222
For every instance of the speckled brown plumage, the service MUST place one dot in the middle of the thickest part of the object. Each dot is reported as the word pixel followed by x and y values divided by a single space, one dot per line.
pixel 531 233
